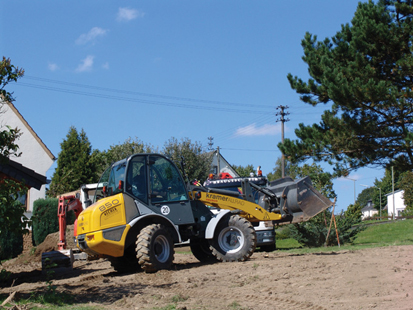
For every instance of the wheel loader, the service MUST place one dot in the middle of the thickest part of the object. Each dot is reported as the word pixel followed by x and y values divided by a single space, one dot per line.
pixel 142 207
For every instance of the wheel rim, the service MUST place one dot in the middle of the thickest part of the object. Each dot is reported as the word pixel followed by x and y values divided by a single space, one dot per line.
pixel 231 239
pixel 161 249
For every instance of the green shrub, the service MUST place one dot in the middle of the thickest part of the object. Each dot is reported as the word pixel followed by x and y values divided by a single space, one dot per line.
pixel 313 233
pixel 11 241
pixel 44 218
pixel 11 244
pixel 282 233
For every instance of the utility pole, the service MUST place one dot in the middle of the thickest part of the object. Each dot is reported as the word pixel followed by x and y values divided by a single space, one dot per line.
pixel 218 164
pixel 282 119
pixel 392 185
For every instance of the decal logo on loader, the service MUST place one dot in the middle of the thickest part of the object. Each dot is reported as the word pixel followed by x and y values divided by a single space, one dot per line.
pixel 165 210
pixel 216 198
pixel 111 211
pixel 108 205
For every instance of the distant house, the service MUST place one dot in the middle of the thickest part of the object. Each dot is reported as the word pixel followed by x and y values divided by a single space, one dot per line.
pixel 220 165
pixel 399 205
pixel 369 210
pixel 36 158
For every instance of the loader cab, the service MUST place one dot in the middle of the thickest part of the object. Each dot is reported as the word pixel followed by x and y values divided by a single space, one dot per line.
pixel 152 180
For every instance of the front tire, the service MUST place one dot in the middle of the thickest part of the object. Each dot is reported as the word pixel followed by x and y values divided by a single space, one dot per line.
pixel 234 239
pixel 155 248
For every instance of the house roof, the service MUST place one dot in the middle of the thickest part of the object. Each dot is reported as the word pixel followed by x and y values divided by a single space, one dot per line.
pixel 368 208
pixel 30 129
pixel 216 152
pixel 22 174
pixel 397 191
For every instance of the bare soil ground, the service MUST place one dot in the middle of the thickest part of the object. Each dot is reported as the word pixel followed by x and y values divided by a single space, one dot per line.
pixel 377 278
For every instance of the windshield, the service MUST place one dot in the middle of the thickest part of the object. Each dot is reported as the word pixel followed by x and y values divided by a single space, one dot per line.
pixel 117 174
pixel 102 182
pixel 166 183
pixel 110 178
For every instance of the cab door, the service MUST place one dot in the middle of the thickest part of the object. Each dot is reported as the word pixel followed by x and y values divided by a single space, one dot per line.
pixel 167 191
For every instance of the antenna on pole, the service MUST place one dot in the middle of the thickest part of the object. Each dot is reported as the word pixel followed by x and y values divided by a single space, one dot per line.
pixel 282 119
pixel 210 143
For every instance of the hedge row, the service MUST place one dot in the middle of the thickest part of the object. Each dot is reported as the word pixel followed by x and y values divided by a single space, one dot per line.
pixel 44 219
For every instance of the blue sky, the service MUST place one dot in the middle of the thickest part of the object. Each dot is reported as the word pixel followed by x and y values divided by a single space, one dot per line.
pixel 161 69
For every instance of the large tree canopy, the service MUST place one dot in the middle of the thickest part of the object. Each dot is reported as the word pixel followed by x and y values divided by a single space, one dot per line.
pixel 365 72
pixel 197 161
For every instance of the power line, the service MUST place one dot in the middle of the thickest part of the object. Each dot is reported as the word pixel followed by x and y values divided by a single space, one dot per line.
pixel 135 93
pixel 250 150
pixel 136 100
pixel 229 133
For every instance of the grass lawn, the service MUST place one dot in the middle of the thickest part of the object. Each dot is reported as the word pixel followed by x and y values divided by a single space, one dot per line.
pixel 399 232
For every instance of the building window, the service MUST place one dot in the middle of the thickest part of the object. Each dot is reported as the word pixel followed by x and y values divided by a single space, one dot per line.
pixel 22 198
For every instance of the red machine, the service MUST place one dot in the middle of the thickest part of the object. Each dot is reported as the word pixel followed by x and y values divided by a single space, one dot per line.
pixel 73 204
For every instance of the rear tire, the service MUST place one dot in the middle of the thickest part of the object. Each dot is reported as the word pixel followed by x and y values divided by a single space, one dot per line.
pixel 268 248
pixel 234 239
pixel 155 248
pixel 200 248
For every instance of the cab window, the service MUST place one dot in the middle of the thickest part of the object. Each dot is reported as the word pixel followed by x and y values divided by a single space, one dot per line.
pixel 102 182
pixel 136 183
pixel 117 174
pixel 166 183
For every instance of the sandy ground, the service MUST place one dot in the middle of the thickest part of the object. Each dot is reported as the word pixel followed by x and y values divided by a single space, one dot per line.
pixel 378 278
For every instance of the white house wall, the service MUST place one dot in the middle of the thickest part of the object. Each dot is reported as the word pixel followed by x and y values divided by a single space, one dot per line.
pixel 399 203
pixel 34 155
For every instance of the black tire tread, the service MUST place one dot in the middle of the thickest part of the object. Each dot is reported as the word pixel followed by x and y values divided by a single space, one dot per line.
pixel 249 235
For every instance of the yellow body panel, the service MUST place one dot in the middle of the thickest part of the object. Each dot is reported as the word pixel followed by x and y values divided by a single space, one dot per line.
pixel 97 243
pixel 106 213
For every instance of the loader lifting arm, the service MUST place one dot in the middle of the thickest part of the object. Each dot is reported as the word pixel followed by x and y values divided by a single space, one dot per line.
pixel 283 201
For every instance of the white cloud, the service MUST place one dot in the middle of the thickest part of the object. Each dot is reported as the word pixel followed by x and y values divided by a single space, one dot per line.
pixel 53 66
pixel 86 64
pixel 126 14
pixel 253 130
pixel 105 66
pixel 91 35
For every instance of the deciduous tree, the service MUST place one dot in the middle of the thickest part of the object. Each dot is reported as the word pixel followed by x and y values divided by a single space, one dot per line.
pixel 197 161
pixel 120 151
pixel 12 219
pixel 244 171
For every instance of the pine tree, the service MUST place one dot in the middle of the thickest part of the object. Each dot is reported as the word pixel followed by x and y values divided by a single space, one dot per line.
pixel 364 74
pixel 74 164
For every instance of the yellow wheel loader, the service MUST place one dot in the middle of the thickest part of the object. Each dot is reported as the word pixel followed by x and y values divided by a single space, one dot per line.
pixel 142 207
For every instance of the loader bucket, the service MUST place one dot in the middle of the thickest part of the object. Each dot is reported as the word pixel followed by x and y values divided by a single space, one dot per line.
pixel 299 199
pixel 58 261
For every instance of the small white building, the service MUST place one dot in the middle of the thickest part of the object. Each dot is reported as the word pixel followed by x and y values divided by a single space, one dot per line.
pixel 399 205
pixel 368 211
pixel 35 160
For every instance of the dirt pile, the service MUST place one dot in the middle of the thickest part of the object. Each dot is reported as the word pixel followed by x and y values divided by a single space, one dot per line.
pixel 34 254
